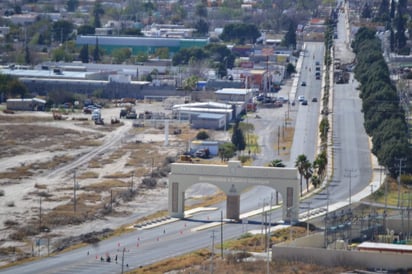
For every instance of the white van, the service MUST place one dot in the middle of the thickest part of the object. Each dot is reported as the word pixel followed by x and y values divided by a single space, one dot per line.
pixel 96 114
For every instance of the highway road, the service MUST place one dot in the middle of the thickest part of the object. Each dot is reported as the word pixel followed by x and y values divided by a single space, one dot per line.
pixel 143 247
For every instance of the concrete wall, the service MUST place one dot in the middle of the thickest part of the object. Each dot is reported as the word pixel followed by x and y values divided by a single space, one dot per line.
pixel 107 90
pixel 351 258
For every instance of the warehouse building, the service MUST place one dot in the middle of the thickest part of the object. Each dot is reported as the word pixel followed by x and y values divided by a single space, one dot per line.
pixel 139 44
pixel 26 104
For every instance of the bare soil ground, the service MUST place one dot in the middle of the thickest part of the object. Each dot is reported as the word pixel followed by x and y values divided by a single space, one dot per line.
pixel 45 163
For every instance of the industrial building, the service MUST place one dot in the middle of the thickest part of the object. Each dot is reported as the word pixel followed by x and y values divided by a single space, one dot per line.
pixel 139 44
pixel 32 104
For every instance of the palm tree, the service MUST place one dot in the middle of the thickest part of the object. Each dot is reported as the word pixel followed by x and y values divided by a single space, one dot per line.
pixel 315 181
pixel 277 163
pixel 307 172
pixel 300 165
pixel 320 164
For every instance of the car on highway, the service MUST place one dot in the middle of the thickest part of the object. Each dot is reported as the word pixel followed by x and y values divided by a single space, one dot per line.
pixel 314 99
pixel 303 84
pixel 304 102
pixel 301 98
pixel 282 99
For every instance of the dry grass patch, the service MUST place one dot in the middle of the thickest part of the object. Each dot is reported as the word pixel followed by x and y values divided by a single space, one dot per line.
pixel 23 119
pixel 256 243
pixel 286 141
pixel 17 173
pixel 88 175
pixel 56 161
pixel 65 214
pixel 94 164
pixel 182 262
pixel 89 197
pixel 40 186
pixel 106 185
pixel 118 175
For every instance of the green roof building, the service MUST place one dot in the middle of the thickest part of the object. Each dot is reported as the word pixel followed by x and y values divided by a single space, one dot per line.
pixel 139 44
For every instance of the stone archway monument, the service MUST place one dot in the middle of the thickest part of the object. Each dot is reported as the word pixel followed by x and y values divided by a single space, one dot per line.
pixel 233 179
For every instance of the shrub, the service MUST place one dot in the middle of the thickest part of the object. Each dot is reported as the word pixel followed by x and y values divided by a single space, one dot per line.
pixel 202 135
pixel 10 204
pixel 149 182
pixel 10 223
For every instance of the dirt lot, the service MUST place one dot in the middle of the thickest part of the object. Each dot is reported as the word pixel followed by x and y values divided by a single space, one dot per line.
pixel 45 163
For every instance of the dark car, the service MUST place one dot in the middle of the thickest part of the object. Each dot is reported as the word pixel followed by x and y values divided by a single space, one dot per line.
pixel 303 84
pixel 314 99
pixel 304 103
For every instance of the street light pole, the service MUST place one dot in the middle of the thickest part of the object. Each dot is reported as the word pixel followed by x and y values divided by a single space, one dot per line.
pixel 349 171
pixel 74 191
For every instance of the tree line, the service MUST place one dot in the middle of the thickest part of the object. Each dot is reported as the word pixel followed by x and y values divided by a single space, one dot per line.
pixel 384 118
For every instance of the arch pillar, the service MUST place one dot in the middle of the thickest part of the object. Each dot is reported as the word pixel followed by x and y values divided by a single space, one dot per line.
pixel 233 207
pixel 176 201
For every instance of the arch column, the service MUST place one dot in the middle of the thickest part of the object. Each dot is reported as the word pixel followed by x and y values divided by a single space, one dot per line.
pixel 233 207
pixel 176 201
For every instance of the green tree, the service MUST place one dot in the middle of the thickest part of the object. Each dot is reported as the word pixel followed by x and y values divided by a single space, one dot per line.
pixel 96 51
pixel 60 54
pixel 226 151
pixel 201 26
pixel 316 181
pixel 132 32
pixel 302 164
pixel 290 68
pixel 27 55
pixel 84 54
pixel 289 40
pixel 12 87
pixel 240 33
pixel 17 89
pixel 366 11
pixel 85 30
pixel 162 53
pixel 320 163
pixel 121 55
pixel 61 30
pixel 97 12
pixel 202 135
pixel 142 57
pixel 238 138
pixel 201 10
pixel 72 5
pixel 190 83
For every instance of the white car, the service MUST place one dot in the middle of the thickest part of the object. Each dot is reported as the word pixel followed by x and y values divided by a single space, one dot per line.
pixel 301 98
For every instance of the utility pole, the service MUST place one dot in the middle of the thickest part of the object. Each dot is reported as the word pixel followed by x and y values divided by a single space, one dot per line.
pixel 213 252
pixel 268 240
pixel 40 215
pixel 278 140
pixel 131 184
pixel 399 179
pixel 307 216
pixel 221 234
pixel 350 176
pixel 74 191
pixel 124 249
